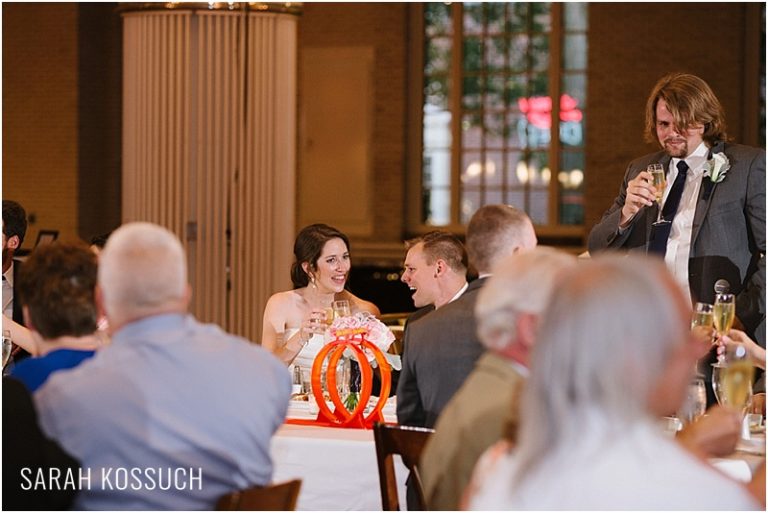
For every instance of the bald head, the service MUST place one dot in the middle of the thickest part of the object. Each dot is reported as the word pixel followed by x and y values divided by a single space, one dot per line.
pixel 496 232
pixel 142 272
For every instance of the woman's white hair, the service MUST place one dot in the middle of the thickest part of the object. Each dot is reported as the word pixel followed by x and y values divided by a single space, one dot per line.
pixel 521 283
pixel 602 345
pixel 142 270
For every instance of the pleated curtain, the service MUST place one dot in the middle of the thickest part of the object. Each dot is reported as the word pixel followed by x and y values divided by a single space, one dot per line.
pixel 209 129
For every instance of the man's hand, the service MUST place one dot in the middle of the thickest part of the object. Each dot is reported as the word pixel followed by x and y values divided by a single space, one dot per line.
pixel 640 193
pixel 714 434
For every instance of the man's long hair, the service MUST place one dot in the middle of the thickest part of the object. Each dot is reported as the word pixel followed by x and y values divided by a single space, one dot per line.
pixel 691 102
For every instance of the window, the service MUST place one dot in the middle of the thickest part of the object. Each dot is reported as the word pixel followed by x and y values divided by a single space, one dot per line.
pixel 490 74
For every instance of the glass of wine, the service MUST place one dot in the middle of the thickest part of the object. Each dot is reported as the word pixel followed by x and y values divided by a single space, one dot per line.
pixel 723 313
pixel 341 308
pixel 329 315
pixel 7 346
pixel 703 319
pixel 736 378
pixel 659 181
pixel 717 370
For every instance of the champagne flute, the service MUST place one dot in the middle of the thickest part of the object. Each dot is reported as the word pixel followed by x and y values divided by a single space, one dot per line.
pixel 341 308
pixel 703 318
pixel 7 346
pixel 736 380
pixel 723 313
pixel 329 315
pixel 659 181
pixel 717 371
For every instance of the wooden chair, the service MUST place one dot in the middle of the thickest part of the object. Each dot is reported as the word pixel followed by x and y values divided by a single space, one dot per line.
pixel 278 497
pixel 408 442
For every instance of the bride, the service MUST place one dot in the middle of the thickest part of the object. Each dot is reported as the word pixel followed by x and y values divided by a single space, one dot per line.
pixel 294 320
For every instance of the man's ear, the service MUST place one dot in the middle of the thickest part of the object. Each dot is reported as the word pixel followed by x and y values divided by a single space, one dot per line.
pixel 14 242
pixel 526 329
pixel 440 267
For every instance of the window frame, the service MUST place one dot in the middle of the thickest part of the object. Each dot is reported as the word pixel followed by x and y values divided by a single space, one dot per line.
pixel 414 145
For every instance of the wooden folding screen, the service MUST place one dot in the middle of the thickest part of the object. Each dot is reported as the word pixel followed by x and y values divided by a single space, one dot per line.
pixel 209 124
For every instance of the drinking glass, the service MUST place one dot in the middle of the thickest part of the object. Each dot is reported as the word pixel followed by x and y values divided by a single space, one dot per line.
pixel 695 402
pixel 723 313
pixel 703 318
pixel 659 181
pixel 717 369
pixel 736 378
pixel 341 308
pixel 7 346
pixel 329 315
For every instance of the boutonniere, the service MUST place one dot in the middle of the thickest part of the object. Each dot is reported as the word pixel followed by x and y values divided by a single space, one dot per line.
pixel 716 167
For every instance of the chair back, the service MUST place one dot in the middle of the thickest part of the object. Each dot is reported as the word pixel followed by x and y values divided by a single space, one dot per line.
pixel 408 442
pixel 278 497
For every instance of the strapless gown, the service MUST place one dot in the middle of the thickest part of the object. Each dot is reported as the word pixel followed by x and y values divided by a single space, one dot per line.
pixel 306 356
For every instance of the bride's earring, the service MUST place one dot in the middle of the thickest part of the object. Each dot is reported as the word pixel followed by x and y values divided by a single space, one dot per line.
pixel 312 281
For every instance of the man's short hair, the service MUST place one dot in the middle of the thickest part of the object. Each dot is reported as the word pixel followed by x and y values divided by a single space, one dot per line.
pixel 443 245
pixel 56 284
pixel 142 270
pixel 491 232
pixel 14 220
pixel 521 283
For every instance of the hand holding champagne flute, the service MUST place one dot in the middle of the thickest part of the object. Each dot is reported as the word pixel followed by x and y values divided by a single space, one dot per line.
pixel 723 313
pixel 659 181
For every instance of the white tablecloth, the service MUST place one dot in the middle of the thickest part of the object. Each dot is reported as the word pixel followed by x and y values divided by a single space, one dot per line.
pixel 337 466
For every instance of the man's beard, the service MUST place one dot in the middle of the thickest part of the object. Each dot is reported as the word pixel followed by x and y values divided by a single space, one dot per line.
pixel 678 151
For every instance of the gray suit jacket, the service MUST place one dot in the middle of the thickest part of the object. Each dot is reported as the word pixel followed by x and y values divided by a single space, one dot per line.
pixel 727 238
pixel 439 352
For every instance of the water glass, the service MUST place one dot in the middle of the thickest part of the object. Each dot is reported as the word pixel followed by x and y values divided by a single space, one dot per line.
pixel 7 346
pixel 695 403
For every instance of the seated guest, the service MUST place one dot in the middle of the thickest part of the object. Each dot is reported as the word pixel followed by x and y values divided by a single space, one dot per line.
pixel 294 320
pixel 507 310
pixel 614 351
pixel 56 288
pixel 440 349
pixel 27 453
pixel 14 229
pixel 435 270
pixel 182 412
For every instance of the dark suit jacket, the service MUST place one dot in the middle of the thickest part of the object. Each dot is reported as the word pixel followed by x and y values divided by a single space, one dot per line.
pixel 17 313
pixel 25 446
pixel 439 352
pixel 727 238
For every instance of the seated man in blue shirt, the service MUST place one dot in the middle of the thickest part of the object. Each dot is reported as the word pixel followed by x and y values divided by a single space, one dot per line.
pixel 56 287
pixel 173 413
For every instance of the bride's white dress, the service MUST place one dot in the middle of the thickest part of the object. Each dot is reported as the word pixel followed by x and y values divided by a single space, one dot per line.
pixel 306 356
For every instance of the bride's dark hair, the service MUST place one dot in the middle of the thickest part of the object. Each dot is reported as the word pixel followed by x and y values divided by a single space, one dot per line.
pixel 307 248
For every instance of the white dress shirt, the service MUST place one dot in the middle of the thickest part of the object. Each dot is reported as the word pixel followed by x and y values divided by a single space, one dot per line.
pixel 679 243
pixel 8 292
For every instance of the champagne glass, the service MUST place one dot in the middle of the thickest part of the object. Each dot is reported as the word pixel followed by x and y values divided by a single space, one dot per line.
pixel 659 181
pixel 723 313
pixel 717 370
pixel 329 315
pixel 7 346
pixel 736 379
pixel 703 319
pixel 341 308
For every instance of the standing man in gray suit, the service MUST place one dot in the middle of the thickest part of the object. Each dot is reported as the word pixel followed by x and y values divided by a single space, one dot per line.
pixel 440 349
pixel 713 208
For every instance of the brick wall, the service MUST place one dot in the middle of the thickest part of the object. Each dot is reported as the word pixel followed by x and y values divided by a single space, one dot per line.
pixel 383 26
pixel 62 115
pixel 631 46
pixel 40 113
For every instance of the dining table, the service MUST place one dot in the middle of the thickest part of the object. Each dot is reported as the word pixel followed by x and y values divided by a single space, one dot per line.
pixel 337 466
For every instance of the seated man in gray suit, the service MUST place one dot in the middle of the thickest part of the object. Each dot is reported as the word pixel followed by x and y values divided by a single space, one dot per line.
pixel 440 349
pixel 507 310
pixel 173 413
